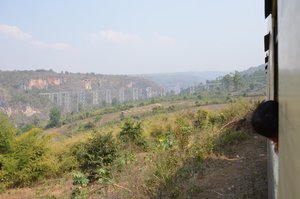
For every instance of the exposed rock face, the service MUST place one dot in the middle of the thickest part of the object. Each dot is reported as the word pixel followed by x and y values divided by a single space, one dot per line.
pixel 87 84
pixel 29 111
pixel 129 85
pixel 54 81
pixel 44 83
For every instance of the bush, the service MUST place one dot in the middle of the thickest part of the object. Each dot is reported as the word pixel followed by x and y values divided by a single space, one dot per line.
pixel 99 151
pixel 54 116
pixel 157 131
pixel 215 119
pixel 171 108
pixel 183 132
pixel 131 132
pixel 26 128
pixel 97 118
pixel 81 182
pixel 7 135
pixel 27 162
pixel 201 120
pixel 197 103
pixel 86 127
pixel 158 109
pixel 227 138
pixel 236 110
pixel 167 141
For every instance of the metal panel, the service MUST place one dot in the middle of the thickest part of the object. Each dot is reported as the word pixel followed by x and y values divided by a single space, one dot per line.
pixel 289 98
pixel 268 8
pixel 270 44
pixel 272 171
pixel 267 41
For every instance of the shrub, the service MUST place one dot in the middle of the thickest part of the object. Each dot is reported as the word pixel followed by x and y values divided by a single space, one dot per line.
pixel 99 151
pixel 7 135
pixel 54 116
pixel 157 131
pixel 236 110
pixel 66 161
pixel 201 119
pixel 158 109
pixel 171 108
pixel 27 162
pixel 81 182
pixel 122 115
pixel 104 177
pixel 141 104
pixel 131 132
pixel 79 179
pixel 215 119
pixel 227 138
pixel 97 118
pixel 182 131
pixel 26 128
pixel 87 126
pixel 197 103
pixel 167 141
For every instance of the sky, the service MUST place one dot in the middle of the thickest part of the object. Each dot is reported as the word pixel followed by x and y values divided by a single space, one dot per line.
pixel 132 36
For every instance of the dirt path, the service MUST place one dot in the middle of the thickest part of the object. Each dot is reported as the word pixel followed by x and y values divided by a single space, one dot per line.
pixel 242 174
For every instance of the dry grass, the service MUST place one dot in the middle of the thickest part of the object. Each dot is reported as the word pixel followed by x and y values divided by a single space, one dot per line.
pixel 202 170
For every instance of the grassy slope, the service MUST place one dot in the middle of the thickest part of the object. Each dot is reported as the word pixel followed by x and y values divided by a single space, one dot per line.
pixel 235 169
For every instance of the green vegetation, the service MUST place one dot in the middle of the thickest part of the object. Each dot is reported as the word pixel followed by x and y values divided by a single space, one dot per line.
pixel 26 160
pixel 131 133
pixel 54 116
pixel 151 156
pixel 7 134
pixel 81 183
pixel 98 152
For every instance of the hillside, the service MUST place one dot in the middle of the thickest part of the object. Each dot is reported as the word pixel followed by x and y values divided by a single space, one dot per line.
pixel 183 79
pixel 33 92
pixel 178 150
pixel 253 69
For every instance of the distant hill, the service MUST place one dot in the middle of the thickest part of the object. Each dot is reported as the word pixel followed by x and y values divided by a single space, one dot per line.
pixel 34 92
pixel 178 80
pixel 183 79
pixel 253 69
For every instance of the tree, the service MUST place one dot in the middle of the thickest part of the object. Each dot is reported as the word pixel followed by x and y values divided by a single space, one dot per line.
pixel 7 134
pixel 227 81
pixel 237 80
pixel 54 116
pixel 114 101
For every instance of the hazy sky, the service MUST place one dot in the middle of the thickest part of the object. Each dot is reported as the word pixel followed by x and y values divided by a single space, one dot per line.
pixel 131 36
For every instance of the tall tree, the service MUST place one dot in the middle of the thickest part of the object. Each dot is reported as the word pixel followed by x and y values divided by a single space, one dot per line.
pixel 227 81
pixel 54 116
pixel 237 80
pixel 7 134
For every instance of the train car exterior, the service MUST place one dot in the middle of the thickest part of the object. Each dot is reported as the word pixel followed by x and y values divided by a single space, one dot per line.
pixel 282 46
pixel 272 94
